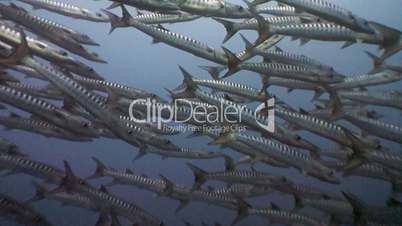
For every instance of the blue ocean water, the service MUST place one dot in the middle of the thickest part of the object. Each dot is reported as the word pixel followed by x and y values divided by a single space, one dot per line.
pixel 134 61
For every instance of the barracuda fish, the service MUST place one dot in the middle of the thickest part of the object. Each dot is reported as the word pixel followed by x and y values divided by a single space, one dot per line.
pixel 252 24
pixel 339 153
pixel 106 201
pixel 391 99
pixel 322 128
pixel 366 80
pixel 38 126
pixel 293 84
pixel 288 71
pixel 363 215
pixel 149 5
pixel 224 86
pixel 47 92
pixel 8 148
pixel 163 130
pixel 376 127
pixel 248 117
pixel 51 33
pixel 67 10
pixel 162 187
pixel 371 170
pixel 73 34
pixel 243 190
pixel 41 192
pixel 240 148
pixel 341 211
pixel 162 18
pixel 21 213
pixel 275 215
pixel 322 32
pixel 118 89
pixel 329 12
pixel 234 176
pixel 385 158
pixel 279 56
pixel 214 8
pixel 280 10
pixel 132 134
pixel 173 39
pixel 13 37
pixel 27 166
pixel 47 111
pixel 284 153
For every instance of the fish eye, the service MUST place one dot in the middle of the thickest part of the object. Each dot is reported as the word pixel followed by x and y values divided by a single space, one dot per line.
pixel 241 8
pixel 91 70
pixel 168 142
pixel 298 137
pixel 98 15
pixel 85 125
pixel 130 132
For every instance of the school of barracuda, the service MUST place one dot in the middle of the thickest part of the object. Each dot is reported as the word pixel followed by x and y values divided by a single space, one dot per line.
pixel 94 108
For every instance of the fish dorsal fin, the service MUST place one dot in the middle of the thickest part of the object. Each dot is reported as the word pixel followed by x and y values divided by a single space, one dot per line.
pixel 303 111
pixel 104 189
pixel 162 27
pixel 128 171
pixel 275 206
pixel 277 49
pixel 169 185
pixel 14 115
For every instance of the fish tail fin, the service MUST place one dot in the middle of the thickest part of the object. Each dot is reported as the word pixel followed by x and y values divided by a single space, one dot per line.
pixel 114 5
pixel 229 162
pixel 115 220
pixel 188 82
pixel 377 62
pixel 99 171
pixel 250 47
pixel 69 181
pixel 359 209
pixel 229 26
pixel 214 71
pixel 199 176
pixel 242 211
pixel 263 26
pixel 334 104
pixel 115 21
pixel 169 185
pixel 40 192
pixel 298 202
pixel 233 62
pixel 20 52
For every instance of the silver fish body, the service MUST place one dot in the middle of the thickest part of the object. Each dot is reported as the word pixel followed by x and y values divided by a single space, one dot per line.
pixel 40 127
pixel 376 127
pixel 47 111
pixel 22 213
pixel 51 33
pixel 34 168
pixel 67 10
pixel 332 13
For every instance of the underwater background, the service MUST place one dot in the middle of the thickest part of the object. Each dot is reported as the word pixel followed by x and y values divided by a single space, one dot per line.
pixel 134 61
